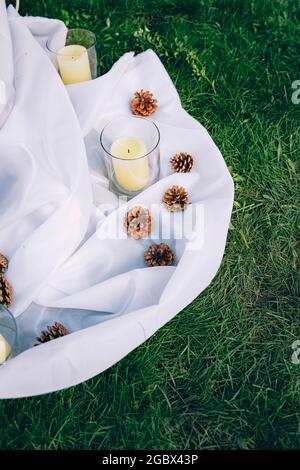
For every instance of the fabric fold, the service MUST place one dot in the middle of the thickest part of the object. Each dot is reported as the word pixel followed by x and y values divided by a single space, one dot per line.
pixel 52 219
pixel 7 91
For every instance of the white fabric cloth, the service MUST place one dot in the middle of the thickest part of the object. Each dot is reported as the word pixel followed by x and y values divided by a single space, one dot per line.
pixel 63 265
pixel 7 92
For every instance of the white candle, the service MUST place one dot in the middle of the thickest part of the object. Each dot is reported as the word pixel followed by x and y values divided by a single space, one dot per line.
pixel 132 172
pixel 5 349
pixel 74 64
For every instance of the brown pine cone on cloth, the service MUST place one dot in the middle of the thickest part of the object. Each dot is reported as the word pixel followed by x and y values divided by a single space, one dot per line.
pixel 53 332
pixel 176 198
pixel 6 292
pixel 159 255
pixel 138 222
pixel 144 103
pixel 182 162
pixel 3 264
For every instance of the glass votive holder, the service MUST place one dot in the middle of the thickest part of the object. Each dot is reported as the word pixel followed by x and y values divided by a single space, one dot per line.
pixel 74 54
pixel 8 335
pixel 130 146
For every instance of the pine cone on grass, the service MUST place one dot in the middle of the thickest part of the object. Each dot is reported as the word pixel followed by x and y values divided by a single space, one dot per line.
pixel 138 222
pixel 159 255
pixel 143 103
pixel 53 332
pixel 182 162
pixel 6 292
pixel 3 264
pixel 176 198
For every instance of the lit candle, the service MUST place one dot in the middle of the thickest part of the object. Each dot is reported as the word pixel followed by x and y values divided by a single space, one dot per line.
pixel 132 172
pixel 5 349
pixel 74 64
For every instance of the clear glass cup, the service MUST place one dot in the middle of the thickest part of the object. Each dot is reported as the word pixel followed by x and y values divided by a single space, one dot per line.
pixel 74 55
pixel 9 331
pixel 130 146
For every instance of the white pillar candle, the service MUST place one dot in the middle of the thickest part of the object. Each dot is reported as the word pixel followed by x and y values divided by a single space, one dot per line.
pixel 131 171
pixel 5 349
pixel 74 64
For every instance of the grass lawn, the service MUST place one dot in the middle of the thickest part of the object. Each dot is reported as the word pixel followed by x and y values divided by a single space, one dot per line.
pixel 219 375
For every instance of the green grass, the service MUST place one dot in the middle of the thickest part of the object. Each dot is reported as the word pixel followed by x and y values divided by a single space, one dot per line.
pixel 219 375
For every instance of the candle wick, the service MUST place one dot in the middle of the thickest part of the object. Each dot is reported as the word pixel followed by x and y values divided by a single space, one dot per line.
pixel 128 150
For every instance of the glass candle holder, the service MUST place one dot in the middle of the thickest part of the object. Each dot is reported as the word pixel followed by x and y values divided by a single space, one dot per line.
pixel 130 146
pixel 74 55
pixel 8 335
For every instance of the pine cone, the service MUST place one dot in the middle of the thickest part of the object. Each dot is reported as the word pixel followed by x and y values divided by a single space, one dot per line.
pixel 176 198
pixel 143 103
pixel 182 162
pixel 6 292
pixel 3 264
pixel 159 255
pixel 53 332
pixel 138 222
